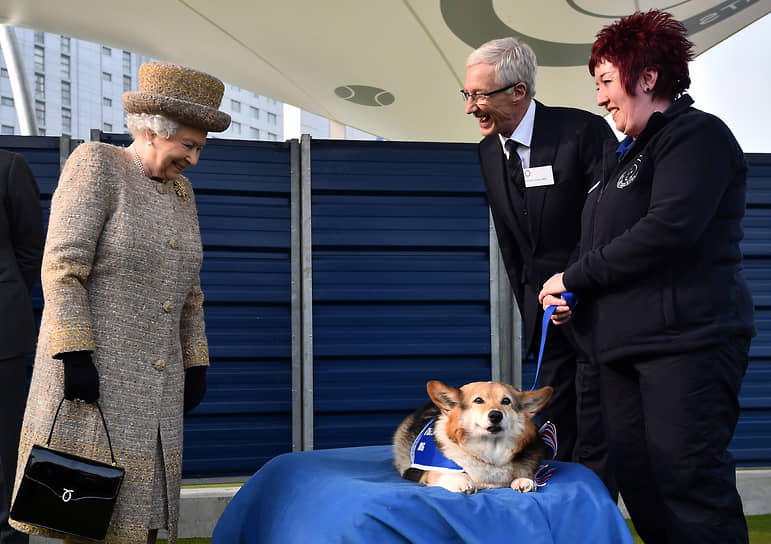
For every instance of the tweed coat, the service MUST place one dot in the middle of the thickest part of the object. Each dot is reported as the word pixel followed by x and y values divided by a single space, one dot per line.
pixel 120 277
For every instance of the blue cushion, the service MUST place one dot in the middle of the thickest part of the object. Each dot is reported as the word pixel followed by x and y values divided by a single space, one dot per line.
pixel 356 495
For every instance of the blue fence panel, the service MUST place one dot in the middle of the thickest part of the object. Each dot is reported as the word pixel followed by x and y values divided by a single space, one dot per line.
pixel 400 282
pixel 751 445
pixel 400 291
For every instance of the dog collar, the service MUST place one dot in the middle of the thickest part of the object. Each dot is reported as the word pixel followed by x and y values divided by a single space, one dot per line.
pixel 425 454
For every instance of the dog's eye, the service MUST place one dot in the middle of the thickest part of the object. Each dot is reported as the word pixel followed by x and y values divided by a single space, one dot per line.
pixel 506 401
pixel 479 400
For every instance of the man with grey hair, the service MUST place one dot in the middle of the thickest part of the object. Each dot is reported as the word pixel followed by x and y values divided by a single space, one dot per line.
pixel 538 163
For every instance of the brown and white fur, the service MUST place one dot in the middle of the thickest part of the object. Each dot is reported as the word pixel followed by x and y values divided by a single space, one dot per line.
pixel 485 427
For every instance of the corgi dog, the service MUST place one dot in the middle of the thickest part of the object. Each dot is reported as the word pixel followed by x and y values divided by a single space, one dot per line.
pixel 480 436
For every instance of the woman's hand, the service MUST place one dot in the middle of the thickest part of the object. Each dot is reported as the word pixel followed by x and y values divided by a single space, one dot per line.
pixel 550 295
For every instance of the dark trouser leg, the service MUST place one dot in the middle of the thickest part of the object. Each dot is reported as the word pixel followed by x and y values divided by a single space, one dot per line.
pixel 591 448
pixel 558 370
pixel 13 394
pixel 688 409
pixel 575 406
pixel 628 449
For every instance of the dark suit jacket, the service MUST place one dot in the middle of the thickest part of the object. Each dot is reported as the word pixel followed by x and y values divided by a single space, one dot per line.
pixel 571 141
pixel 21 252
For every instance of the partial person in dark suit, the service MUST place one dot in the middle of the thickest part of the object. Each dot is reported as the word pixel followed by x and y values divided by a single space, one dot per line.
pixel 21 252
pixel 538 163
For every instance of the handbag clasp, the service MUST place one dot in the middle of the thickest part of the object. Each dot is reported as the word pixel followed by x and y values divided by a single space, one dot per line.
pixel 67 495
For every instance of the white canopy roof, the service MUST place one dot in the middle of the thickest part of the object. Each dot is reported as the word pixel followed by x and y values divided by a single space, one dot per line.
pixel 389 67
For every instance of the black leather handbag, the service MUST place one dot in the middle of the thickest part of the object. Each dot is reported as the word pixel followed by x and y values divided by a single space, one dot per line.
pixel 67 493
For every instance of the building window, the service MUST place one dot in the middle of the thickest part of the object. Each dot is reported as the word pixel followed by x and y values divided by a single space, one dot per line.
pixel 126 83
pixel 272 137
pixel 40 113
pixel 236 127
pixel 40 86
pixel 40 59
pixel 7 130
pixel 254 112
pixel 254 133
pixel 127 61
pixel 272 118
pixel 107 102
pixel 235 106
pixel 107 127
pixel 66 93
pixel 41 132
pixel 65 67
pixel 67 120
pixel 40 37
pixel 106 76
pixel 106 51
pixel 6 101
pixel 64 45
pixel 4 72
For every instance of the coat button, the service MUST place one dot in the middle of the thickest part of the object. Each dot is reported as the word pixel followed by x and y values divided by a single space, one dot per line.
pixel 159 365
pixel 174 243
pixel 168 306
pixel 161 188
pixel 524 211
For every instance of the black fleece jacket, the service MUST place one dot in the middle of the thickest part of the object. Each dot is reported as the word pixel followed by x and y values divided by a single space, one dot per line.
pixel 659 267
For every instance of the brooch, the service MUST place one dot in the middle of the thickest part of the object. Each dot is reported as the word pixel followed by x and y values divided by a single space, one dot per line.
pixel 180 190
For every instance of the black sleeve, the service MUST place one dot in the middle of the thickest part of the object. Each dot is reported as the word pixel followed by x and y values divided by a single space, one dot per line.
pixel 25 219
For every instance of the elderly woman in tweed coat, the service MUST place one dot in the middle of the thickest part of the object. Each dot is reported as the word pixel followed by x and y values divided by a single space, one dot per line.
pixel 123 317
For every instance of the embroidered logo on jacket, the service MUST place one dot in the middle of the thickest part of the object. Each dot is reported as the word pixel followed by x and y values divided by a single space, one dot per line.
pixel 629 176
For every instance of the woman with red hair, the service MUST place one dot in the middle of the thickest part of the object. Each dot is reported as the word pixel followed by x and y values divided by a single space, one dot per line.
pixel 663 303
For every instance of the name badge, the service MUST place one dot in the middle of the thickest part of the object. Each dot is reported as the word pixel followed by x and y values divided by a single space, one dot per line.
pixel 538 176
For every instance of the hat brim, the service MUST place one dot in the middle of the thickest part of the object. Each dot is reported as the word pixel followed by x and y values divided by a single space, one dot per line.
pixel 187 113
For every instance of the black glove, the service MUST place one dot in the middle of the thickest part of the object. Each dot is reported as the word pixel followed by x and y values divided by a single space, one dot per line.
pixel 195 386
pixel 81 379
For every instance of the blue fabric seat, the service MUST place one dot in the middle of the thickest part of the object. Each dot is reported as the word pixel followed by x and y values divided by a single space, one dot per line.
pixel 354 495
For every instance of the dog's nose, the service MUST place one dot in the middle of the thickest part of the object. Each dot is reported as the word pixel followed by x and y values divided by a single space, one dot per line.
pixel 495 416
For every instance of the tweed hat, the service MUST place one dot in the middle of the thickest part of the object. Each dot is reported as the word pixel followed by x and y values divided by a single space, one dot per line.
pixel 180 93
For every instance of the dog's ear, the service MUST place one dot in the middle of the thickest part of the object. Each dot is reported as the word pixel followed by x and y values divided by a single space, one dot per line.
pixel 532 401
pixel 444 396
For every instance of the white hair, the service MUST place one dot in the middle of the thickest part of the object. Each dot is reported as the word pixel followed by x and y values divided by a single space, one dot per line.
pixel 513 60
pixel 157 124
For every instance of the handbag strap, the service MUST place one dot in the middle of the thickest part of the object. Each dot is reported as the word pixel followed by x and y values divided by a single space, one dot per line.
pixel 104 424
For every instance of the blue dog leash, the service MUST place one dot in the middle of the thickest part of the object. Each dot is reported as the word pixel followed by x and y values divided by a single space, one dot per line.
pixel 568 297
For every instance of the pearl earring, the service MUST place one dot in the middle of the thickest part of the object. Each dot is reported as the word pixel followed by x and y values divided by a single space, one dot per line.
pixel 149 143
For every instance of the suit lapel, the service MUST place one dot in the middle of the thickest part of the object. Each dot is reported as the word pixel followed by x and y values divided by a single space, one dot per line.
pixel 543 147
pixel 493 159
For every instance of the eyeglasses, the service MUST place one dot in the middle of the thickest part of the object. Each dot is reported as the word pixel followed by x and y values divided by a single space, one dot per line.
pixel 481 98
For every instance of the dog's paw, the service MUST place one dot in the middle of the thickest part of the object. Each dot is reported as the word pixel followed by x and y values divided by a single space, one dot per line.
pixel 457 482
pixel 523 485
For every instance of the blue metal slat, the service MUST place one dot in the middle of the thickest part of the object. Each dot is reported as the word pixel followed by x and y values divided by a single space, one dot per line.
pixel 400 281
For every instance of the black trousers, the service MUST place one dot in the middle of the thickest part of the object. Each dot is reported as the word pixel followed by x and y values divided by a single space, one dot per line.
pixel 576 405
pixel 13 395
pixel 671 418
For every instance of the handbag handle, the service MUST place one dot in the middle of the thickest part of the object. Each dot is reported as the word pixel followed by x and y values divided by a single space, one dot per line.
pixel 104 423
